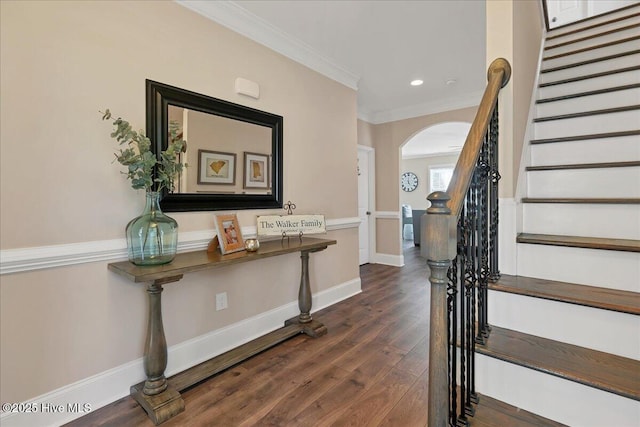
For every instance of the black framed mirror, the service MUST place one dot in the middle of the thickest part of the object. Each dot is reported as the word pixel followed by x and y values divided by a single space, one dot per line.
pixel 234 152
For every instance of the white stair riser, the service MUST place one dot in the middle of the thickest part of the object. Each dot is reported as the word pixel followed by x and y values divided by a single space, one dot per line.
pixel 603 182
pixel 573 324
pixel 602 123
pixel 615 99
pixel 596 67
pixel 594 267
pixel 590 32
pixel 588 54
pixel 555 398
pixel 604 82
pixel 607 38
pixel 586 220
pixel 618 149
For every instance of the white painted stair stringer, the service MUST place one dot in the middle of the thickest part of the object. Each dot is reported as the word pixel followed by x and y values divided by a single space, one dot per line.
pixel 582 219
pixel 574 324
pixel 555 398
pixel 594 267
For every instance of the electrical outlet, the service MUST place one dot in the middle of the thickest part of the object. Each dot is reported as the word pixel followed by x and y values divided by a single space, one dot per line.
pixel 221 301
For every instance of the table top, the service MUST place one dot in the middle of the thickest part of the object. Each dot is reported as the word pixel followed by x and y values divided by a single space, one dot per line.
pixel 202 260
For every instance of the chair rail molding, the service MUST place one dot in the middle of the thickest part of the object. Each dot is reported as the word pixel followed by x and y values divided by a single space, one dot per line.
pixel 41 257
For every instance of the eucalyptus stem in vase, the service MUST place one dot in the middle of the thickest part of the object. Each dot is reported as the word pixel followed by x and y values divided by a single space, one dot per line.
pixel 152 238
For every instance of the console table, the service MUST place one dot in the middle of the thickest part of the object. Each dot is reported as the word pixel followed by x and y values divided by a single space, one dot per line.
pixel 160 397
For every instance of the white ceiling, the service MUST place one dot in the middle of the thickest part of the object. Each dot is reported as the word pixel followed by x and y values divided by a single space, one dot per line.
pixel 376 47
pixel 445 138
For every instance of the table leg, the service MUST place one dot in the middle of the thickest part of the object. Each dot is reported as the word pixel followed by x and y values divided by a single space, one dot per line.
pixel 155 349
pixel 307 325
pixel 304 294
pixel 155 395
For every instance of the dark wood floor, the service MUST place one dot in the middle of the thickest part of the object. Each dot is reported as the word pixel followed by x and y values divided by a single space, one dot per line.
pixel 369 370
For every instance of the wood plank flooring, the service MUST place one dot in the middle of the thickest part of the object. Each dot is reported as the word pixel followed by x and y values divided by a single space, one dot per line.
pixel 370 369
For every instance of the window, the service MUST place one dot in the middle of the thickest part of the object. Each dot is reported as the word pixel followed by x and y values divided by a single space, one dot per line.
pixel 439 178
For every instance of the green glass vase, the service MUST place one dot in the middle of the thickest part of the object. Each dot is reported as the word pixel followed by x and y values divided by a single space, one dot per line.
pixel 152 238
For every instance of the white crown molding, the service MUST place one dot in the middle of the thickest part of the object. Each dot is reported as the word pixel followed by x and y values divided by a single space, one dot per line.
pixel 240 20
pixel 38 258
pixel 108 386
pixel 433 107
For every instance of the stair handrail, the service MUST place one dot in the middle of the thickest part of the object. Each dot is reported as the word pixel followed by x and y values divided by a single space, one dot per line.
pixel 458 239
pixel 498 76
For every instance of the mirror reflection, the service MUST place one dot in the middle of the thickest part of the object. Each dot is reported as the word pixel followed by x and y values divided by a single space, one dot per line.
pixel 234 153
pixel 225 156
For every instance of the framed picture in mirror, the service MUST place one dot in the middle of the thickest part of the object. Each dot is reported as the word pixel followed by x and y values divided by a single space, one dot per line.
pixel 256 170
pixel 215 167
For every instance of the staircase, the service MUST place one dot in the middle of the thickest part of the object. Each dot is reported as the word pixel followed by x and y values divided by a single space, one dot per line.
pixel 565 339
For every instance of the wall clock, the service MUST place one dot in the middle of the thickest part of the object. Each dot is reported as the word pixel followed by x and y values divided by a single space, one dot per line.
pixel 409 181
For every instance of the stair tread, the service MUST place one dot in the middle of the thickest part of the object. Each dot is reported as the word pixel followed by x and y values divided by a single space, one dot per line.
pixel 578 200
pixel 590 76
pixel 604 371
pixel 589 61
pixel 584 166
pixel 626 245
pixel 587 136
pixel 590 296
pixel 588 93
pixel 586 49
pixel 588 113
pixel 492 412
pixel 593 36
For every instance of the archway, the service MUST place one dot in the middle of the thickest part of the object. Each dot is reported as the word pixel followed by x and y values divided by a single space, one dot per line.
pixel 430 155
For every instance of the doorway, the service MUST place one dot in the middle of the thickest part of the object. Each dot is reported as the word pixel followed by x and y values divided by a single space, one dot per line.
pixel 366 202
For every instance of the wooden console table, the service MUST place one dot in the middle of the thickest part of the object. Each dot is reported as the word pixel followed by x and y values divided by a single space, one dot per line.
pixel 159 396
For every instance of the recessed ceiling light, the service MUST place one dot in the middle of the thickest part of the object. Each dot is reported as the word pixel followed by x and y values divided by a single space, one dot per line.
pixel 416 82
pixel 450 82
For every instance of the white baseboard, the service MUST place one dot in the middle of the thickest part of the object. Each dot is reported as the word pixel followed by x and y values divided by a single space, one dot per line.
pixel 387 259
pixel 109 386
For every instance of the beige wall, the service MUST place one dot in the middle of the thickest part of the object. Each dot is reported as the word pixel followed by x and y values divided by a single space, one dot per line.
pixel 514 32
pixel 420 166
pixel 61 63
pixel 387 140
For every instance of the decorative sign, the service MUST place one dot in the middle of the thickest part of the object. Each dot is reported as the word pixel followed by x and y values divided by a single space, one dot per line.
pixel 291 225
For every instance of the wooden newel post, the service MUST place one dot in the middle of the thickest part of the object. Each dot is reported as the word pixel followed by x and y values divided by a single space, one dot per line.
pixel 440 239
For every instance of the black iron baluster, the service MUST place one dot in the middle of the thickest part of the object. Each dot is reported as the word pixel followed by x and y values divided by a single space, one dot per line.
pixel 452 275
pixel 494 272
pixel 464 238
pixel 482 331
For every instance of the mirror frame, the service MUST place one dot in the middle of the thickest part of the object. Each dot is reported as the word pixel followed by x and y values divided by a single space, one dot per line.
pixel 160 96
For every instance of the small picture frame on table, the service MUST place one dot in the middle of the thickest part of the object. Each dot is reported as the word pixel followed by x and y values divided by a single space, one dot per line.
pixel 229 233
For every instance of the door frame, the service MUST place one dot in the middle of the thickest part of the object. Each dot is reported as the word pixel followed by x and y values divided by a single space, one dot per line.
pixel 371 163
